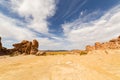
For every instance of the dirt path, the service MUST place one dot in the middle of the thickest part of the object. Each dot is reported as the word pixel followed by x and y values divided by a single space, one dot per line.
pixel 69 67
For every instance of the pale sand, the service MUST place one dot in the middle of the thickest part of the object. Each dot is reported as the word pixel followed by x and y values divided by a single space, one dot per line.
pixel 96 66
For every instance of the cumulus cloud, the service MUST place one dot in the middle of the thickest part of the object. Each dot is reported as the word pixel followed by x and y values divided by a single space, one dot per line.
pixel 79 33
pixel 35 12
pixel 9 29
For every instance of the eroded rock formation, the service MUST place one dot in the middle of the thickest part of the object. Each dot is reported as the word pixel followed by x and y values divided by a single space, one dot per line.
pixel 26 47
pixel 34 47
pixel 3 50
pixel 112 44
pixel 0 44
pixel 90 48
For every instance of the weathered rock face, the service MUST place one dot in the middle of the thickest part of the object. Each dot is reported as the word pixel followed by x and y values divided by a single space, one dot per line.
pixel 112 44
pixel 0 44
pixel 34 47
pixel 35 43
pixel 90 48
pixel 3 50
pixel 26 47
pixel 98 45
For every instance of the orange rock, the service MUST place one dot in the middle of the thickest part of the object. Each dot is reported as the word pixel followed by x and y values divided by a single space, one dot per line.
pixel 26 47
pixel 90 48
pixel 112 44
pixel 0 44
pixel 35 43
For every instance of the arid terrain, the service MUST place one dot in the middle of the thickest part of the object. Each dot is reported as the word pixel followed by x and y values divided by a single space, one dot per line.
pixel 96 65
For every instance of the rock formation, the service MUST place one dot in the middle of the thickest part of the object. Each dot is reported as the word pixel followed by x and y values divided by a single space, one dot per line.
pixel 0 44
pixel 3 50
pixel 26 47
pixel 90 48
pixel 35 43
pixel 34 47
pixel 112 44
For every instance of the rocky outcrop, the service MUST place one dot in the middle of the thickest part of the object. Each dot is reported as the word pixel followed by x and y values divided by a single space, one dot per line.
pixel 3 50
pixel 90 48
pixel 26 47
pixel 0 44
pixel 112 44
pixel 34 47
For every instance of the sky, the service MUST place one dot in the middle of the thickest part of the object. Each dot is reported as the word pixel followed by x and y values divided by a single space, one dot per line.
pixel 59 24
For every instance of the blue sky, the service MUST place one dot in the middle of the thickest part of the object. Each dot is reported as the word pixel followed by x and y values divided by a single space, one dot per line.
pixel 59 24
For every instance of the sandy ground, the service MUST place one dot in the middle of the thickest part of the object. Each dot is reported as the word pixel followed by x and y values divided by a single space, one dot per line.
pixel 95 66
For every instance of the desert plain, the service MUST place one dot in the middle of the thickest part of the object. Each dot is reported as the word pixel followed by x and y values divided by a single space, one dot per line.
pixel 96 65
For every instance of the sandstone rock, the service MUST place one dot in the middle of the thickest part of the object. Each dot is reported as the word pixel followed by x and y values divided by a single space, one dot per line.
pixel 112 44
pixel 118 36
pixel 113 40
pixel 24 42
pixel 27 47
pixel 90 48
pixel 35 43
pixel 0 44
pixel 98 45
pixel 16 53
pixel 33 51
pixel 34 47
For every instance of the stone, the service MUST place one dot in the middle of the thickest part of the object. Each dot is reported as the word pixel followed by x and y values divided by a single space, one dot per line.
pixel 0 44
pixel 90 48
pixel 111 44
pixel 27 47
pixel 35 43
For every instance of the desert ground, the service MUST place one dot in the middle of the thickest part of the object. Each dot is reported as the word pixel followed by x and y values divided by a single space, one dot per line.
pixel 96 65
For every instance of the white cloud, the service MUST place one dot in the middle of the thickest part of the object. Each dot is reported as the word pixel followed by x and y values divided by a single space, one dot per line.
pixel 9 29
pixel 39 10
pixel 81 34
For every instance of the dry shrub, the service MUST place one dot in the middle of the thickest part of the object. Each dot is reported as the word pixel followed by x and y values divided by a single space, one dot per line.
pixel 83 52
pixel 57 53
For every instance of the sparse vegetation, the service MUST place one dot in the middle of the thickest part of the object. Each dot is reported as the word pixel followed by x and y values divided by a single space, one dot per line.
pixel 83 52
pixel 57 53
